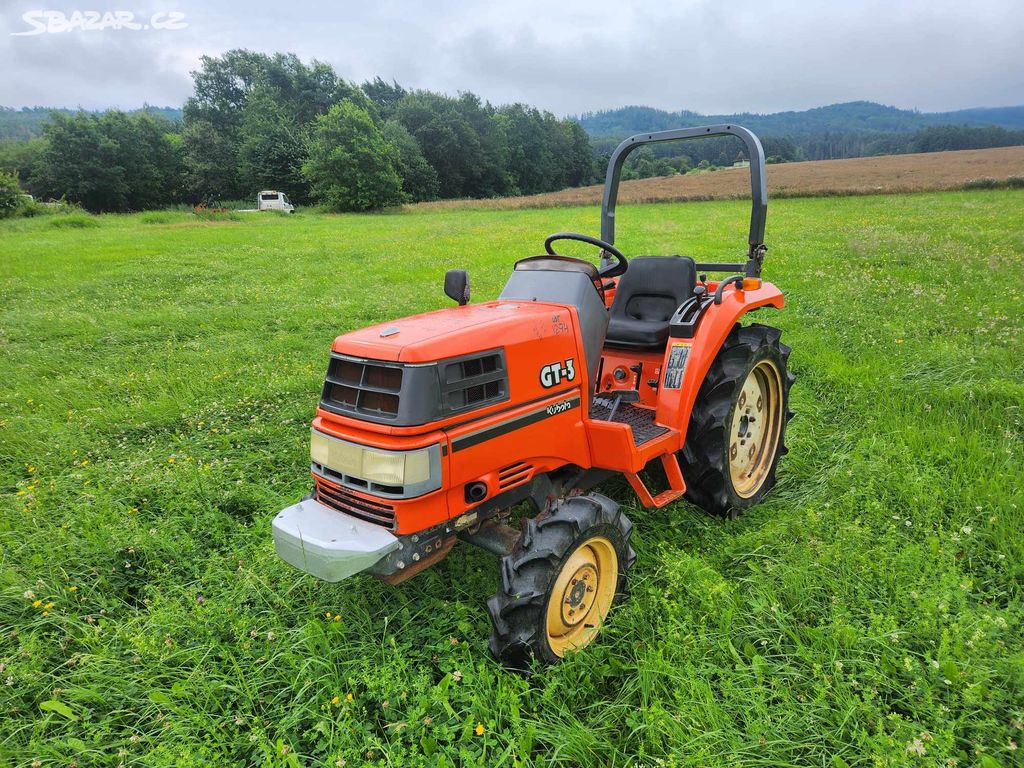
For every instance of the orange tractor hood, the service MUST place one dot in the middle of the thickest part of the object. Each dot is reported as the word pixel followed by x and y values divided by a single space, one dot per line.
pixel 449 332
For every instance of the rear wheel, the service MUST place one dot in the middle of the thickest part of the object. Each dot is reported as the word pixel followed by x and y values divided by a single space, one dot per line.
pixel 738 424
pixel 556 588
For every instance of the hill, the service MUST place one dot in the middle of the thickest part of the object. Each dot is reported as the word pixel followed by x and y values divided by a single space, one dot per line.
pixel 851 117
pixel 27 123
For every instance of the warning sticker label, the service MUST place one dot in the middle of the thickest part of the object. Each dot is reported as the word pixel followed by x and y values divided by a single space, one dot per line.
pixel 676 365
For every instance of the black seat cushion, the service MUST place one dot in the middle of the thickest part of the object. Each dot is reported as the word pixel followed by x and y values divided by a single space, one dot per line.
pixel 648 294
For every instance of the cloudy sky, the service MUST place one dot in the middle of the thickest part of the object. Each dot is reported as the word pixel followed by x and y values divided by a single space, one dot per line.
pixel 568 56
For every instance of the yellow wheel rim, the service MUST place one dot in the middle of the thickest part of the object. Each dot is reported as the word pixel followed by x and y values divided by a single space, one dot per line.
pixel 755 428
pixel 582 594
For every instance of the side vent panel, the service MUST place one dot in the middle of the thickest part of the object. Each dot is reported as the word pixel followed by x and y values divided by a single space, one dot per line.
pixel 514 474
pixel 472 382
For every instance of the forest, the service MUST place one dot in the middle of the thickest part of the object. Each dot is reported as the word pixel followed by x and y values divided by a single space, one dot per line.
pixel 260 121
pixel 257 121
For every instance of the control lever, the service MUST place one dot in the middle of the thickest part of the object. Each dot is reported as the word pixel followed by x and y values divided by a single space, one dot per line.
pixel 738 279
pixel 620 396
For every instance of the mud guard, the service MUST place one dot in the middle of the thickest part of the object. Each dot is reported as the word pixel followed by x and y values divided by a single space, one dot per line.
pixel 687 361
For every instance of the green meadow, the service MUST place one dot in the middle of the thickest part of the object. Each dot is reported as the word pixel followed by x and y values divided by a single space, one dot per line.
pixel 157 376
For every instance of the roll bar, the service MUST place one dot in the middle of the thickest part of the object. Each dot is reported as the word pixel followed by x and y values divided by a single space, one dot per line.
pixel 758 187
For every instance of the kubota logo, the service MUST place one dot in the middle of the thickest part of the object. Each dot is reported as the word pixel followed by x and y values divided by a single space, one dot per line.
pixel 557 408
pixel 553 374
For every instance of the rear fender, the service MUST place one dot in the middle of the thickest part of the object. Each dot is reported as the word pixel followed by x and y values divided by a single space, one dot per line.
pixel 674 405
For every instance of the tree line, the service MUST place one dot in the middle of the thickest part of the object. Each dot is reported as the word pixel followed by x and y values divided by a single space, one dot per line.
pixel 259 121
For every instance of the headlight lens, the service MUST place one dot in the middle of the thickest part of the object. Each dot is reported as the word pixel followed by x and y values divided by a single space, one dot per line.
pixel 387 468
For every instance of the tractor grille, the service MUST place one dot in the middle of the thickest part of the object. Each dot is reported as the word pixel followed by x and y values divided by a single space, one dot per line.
pixel 475 381
pixel 343 500
pixel 405 394
pixel 362 388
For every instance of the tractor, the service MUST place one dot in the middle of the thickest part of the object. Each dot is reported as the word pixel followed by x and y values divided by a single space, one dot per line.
pixel 434 428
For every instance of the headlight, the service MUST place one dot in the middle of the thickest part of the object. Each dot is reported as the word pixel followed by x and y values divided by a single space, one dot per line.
pixel 417 471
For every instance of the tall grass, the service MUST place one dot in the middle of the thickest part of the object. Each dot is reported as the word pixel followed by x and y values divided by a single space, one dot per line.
pixel 156 384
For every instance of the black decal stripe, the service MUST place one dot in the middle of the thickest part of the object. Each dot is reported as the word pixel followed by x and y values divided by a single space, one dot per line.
pixel 542 398
pixel 475 438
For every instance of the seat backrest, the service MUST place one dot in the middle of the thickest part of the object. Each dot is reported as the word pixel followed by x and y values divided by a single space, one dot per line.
pixel 653 287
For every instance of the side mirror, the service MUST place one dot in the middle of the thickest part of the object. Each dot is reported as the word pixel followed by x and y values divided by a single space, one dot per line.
pixel 456 285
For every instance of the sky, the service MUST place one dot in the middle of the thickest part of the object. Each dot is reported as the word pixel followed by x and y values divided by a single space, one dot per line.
pixel 566 56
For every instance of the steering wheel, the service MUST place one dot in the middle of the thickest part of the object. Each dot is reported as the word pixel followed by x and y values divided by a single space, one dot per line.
pixel 612 270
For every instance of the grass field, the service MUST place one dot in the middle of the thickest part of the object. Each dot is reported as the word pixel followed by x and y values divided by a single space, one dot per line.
pixel 157 377
pixel 930 172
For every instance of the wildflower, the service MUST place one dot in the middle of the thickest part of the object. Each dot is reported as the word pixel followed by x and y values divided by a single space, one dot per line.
pixel 457 676
pixel 337 617
pixel 21 493
pixel 453 640
pixel 72 589
pixel 48 606
pixel 966 530
pixel 428 720
pixel 170 459
pixel 328 614
pixel 271 636
pixel 349 697
pixel 916 746
pixel 85 462
pixel 480 729
pixel 200 599
pixel 1012 746
pixel 29 595
pixel 336 700
pixel 36 603
pixel 46 613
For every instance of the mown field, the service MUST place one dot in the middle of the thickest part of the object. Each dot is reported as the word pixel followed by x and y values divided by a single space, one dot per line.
pixel 157 376
pixel 930 172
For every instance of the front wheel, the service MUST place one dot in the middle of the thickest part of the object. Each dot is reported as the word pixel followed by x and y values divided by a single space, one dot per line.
pixel 738 423
pixel 556 588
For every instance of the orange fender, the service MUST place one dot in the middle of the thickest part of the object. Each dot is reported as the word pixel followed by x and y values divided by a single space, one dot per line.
pixel 674 405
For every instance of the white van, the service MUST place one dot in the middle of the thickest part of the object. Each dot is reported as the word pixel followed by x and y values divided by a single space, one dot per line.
pixel 271 200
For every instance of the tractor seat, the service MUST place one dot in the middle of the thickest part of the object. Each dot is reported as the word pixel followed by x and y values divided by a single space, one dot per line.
pixel 648 294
